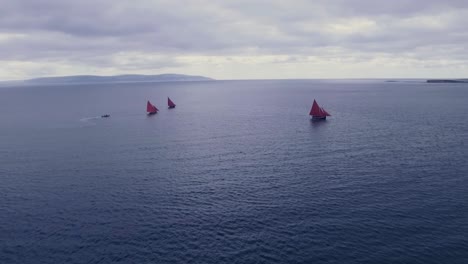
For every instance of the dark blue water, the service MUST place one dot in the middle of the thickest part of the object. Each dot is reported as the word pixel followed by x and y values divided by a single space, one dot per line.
pixel 237 173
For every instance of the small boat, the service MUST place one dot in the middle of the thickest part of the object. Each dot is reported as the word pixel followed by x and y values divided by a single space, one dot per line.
pixel 106 115
pixel 317 112
pixel 151 109
pixel 170 104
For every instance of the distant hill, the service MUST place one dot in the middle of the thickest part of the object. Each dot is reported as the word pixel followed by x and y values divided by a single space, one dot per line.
pixel 116 79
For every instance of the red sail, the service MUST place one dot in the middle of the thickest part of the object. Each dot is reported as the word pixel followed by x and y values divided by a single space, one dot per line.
pixel 170 103
pixel 318 111
pixel 315 110
pixel 151 108
pixel 325 112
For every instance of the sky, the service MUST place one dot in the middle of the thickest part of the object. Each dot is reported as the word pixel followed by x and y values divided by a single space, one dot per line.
pixel 235 39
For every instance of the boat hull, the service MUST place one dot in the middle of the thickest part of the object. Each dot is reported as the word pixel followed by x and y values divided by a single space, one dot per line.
pixel 152 113
pixel 319 117
pixel 170 107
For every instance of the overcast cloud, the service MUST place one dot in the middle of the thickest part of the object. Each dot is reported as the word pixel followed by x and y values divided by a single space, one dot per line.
pixel 235 39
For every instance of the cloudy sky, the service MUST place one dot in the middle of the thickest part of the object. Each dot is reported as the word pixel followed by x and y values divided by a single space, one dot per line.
pixel 238 39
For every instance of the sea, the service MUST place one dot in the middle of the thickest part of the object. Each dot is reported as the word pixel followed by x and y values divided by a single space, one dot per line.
pixel 236 173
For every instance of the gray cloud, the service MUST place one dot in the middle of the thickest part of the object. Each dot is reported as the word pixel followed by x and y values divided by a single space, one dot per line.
pixel 132 35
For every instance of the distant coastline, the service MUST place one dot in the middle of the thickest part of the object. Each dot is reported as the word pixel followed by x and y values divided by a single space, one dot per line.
pixel 447 81
pixel 126 78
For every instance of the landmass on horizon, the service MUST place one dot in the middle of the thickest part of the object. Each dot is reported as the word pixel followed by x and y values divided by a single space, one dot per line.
pixel 124 78
pixel 167 77
pixel 448 81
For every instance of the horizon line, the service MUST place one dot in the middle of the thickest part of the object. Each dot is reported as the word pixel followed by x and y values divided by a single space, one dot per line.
pixel 244 79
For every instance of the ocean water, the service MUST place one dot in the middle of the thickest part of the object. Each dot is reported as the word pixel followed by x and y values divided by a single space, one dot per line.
pixel 236 173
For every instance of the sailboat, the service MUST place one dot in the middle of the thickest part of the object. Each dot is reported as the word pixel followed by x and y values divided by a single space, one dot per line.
pixel 170 104
pixel 151 109
pixel 317 112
